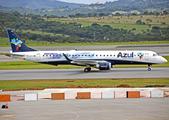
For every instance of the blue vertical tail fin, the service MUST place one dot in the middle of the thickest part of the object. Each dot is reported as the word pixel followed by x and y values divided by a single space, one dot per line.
pixel 17 45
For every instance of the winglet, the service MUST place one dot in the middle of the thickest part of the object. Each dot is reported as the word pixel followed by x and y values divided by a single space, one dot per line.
pixel 66 57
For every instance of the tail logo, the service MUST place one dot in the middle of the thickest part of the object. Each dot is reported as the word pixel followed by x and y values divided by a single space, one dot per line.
pixel 16 42
pixel 140 55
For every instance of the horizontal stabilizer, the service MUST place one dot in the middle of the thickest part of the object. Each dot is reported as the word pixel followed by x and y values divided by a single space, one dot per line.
pixel 14 55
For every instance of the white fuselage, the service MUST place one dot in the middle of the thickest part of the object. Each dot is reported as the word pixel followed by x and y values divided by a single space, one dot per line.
pixel 114 57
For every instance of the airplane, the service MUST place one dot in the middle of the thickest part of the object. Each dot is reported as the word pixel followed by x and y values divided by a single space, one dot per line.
pixel 102 60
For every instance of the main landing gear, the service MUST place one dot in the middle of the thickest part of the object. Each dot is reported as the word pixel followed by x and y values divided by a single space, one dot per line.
pixel 149 67
pixel 87 69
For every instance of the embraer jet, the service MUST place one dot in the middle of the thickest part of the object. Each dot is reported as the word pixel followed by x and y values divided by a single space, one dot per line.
pixel 103 60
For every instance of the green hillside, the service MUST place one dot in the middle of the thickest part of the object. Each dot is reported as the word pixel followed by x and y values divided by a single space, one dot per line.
pixel 42 7
pixel 73 30
pixel 37 4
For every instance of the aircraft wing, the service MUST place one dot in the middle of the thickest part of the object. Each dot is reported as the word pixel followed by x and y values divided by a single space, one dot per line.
pixel 86 62
pixel 83 62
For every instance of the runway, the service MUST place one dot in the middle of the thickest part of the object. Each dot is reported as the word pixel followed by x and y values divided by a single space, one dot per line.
pixel 101 109
pixel 159 48
pixel 38 74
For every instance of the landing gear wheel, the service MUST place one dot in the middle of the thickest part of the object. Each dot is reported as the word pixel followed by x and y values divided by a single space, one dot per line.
pixel 87 69
pixel 149 69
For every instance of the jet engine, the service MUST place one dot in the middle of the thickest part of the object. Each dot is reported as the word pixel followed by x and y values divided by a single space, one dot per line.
pixel 104 66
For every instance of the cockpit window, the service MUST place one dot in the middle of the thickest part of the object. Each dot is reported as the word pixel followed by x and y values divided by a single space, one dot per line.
pixel 154 54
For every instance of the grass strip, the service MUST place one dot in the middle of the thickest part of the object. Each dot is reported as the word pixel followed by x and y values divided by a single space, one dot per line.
pixel 11 65
pixel 7 85
pixel 4 42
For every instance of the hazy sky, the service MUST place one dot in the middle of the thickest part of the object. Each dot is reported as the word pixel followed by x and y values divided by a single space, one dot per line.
pixel 87 1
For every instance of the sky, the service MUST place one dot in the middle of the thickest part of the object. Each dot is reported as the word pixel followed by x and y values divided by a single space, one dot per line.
pixel 87 1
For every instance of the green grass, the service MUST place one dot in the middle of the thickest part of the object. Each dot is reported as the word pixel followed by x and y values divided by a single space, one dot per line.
pixel 42 84
pixel 124 22
pixel 31 65
pixel 139 28
pixel 4 42
pixel 43 33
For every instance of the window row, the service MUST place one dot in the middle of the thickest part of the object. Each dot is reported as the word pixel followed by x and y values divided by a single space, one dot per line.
pixel 78 55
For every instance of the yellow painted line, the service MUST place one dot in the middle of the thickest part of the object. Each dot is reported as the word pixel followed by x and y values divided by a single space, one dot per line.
pixel 7 115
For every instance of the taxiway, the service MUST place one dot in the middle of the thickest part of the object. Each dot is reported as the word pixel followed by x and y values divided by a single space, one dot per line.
pixel 39 74
pixel 96 109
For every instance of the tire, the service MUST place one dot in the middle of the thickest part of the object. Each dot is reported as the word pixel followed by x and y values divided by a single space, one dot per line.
pixel 86 70
pixel 149 69
pixel 89 69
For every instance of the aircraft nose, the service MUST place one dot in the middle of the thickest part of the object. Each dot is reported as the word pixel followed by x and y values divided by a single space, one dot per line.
pixel 164 60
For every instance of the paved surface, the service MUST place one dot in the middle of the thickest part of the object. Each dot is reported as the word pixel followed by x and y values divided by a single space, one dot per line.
pixel 101 109
pixel 80 74
pixel 163 48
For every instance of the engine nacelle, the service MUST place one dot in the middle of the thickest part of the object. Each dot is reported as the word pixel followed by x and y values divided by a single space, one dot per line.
pixel 104 66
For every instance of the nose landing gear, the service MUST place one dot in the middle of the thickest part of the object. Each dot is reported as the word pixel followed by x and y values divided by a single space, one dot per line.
pixel 149 67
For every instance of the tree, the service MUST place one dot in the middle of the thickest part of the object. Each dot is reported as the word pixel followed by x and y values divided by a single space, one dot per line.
pixel 101 14
pixel 117 14
pixel 156 28
pixel 16 14
pixel 145 13
pixel 134 29
pixel 90 14
pixel 165 12
pixel 139 22
pixel 94 14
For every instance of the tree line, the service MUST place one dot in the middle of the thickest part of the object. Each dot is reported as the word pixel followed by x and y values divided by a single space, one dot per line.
pixel 66 11
pixel 76 32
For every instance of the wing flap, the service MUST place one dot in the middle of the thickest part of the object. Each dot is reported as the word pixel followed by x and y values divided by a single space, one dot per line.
pixel 86 62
